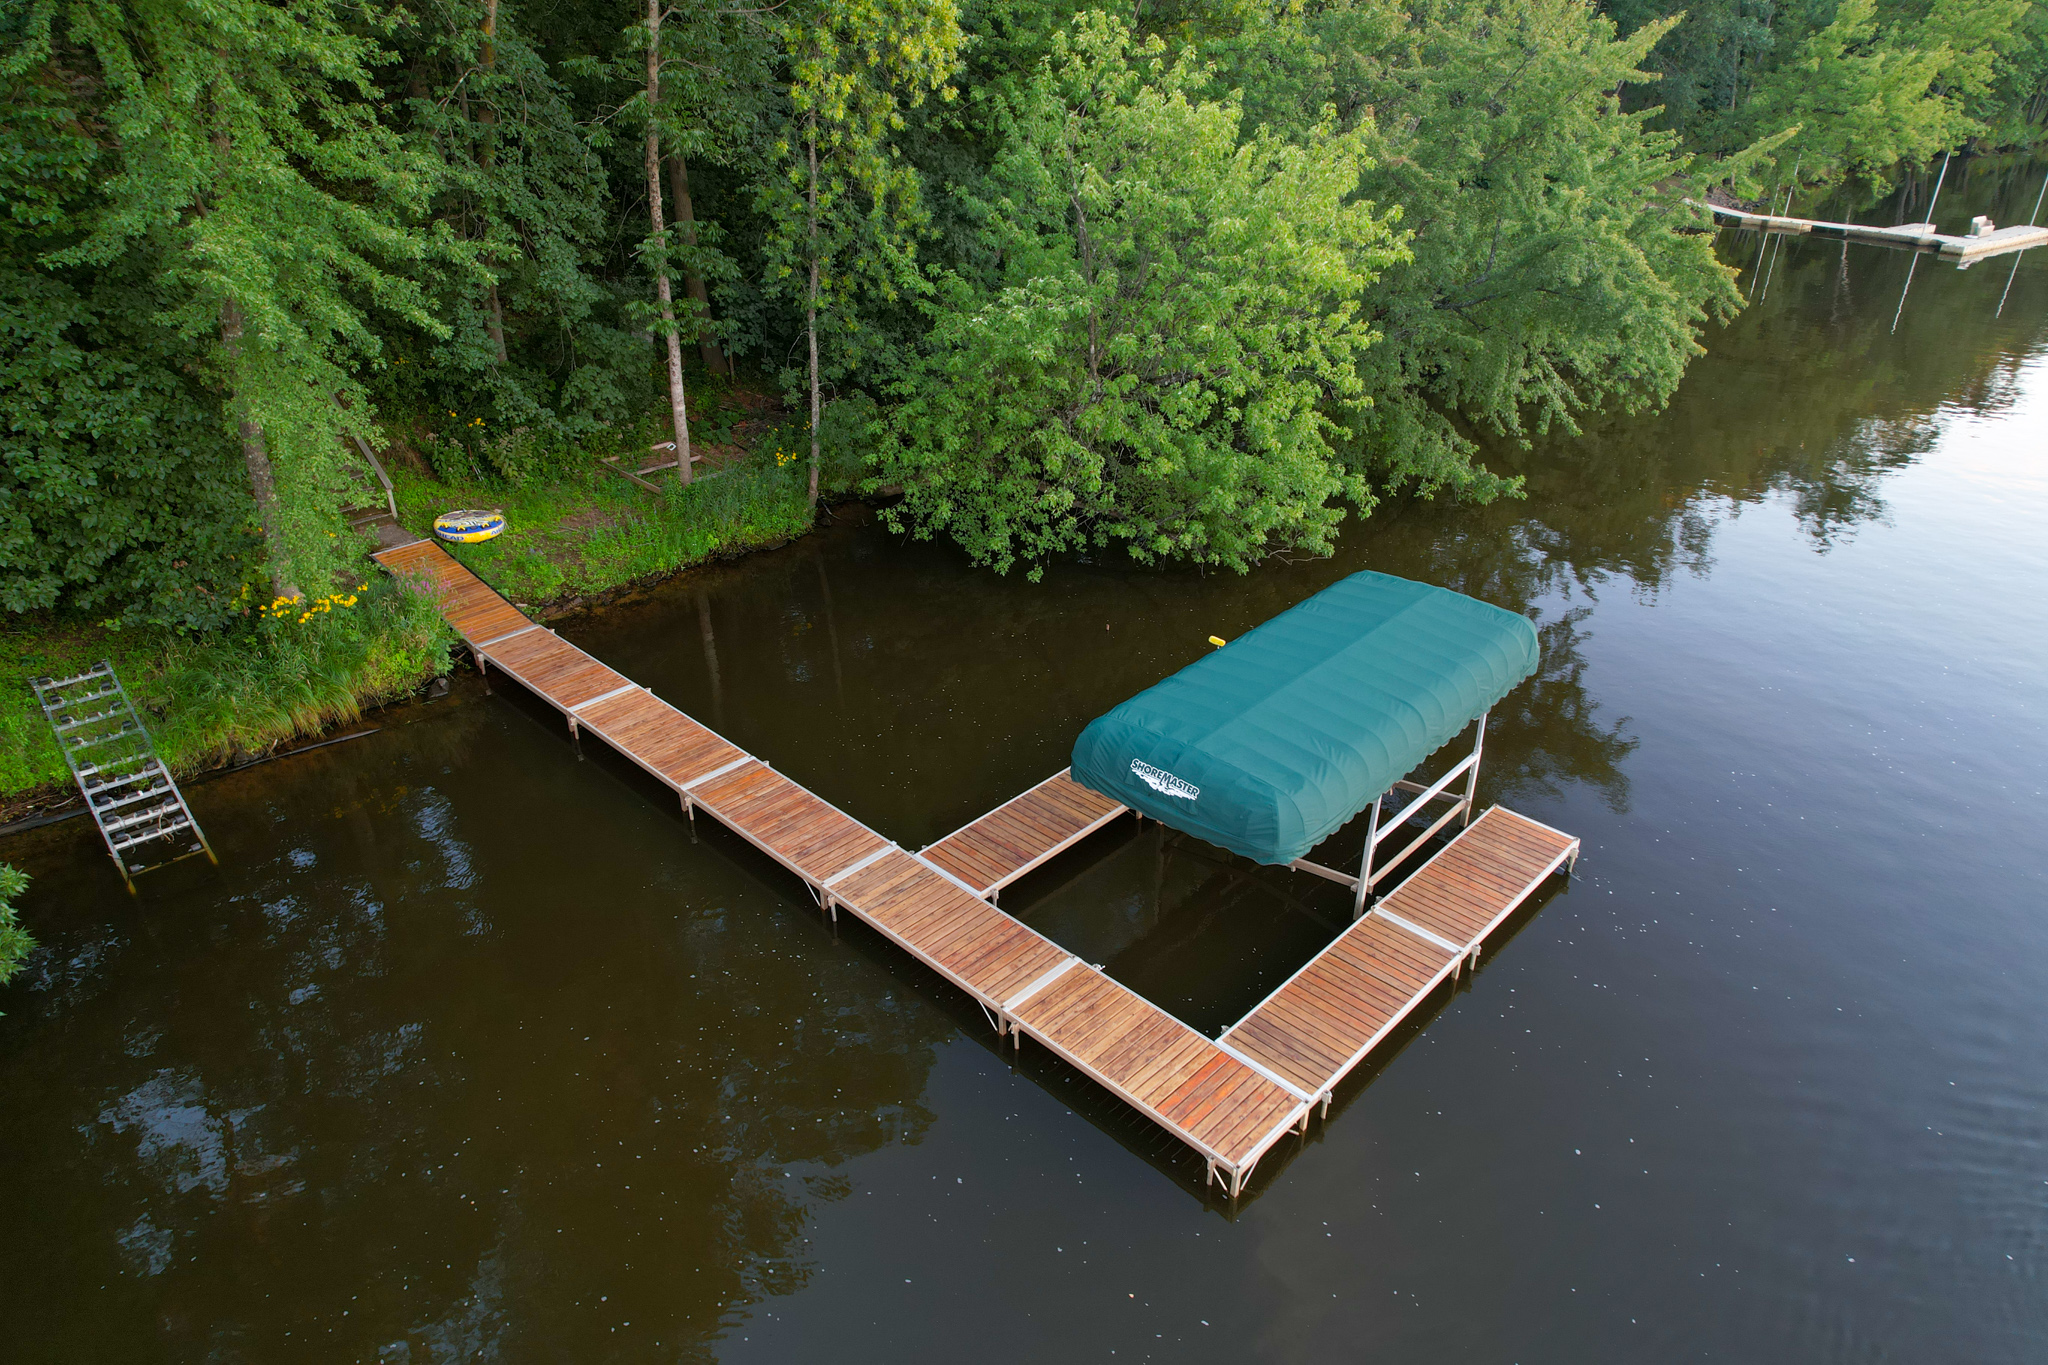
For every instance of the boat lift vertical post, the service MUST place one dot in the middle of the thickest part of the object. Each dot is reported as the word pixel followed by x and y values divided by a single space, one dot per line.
pixel 1472 778
pixel 1372 842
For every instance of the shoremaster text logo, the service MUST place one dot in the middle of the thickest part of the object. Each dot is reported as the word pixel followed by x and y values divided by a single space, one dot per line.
pixel 1164 782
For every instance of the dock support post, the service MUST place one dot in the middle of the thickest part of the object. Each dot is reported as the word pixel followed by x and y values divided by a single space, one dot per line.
pixel 1372 838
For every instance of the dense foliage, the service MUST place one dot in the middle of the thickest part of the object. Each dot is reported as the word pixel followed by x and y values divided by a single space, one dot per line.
pixel 1188 280
pixel 15 942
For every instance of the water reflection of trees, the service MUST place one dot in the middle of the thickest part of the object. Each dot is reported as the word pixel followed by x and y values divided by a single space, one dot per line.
pixel 433 1073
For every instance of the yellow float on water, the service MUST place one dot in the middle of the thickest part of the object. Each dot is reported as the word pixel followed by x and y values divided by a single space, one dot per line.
pixel 468 526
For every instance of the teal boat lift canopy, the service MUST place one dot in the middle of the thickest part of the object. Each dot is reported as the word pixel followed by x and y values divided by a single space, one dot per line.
pixel 1269 745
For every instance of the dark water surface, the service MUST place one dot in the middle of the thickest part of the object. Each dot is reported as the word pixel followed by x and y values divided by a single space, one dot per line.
pixel 471 1051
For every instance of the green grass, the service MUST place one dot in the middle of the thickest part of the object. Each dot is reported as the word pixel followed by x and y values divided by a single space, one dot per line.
pixel 205 697
pixel 595 531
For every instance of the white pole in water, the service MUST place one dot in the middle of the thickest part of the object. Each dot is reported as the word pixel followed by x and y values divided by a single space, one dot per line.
pixel 1916 253
pixel 1902 293
pixel 1785 212
pixel 1937 185
pixel 2031 219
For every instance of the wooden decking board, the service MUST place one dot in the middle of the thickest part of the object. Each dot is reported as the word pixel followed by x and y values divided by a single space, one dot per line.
pixel 1153 1085
pixel 1309 1032
pixel 1328 1005
pixel 1303 1017
pixel 1304 1079
pixel 920 904
pixel 1361 958
pixel 1068 1013
pixel 1369 956
pixel 1300 1060
pixel 963 943
pixel 1145 1039
pixel 1248 1114
pixel 1043 956
pixel 1160 1074
pixel 1222 1111
pixel 1190 1104
pixel 1016 836
pixel 1102 1042
pixel 992 945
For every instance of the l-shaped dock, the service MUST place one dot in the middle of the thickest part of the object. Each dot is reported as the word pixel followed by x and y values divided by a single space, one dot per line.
pixel 1229 1098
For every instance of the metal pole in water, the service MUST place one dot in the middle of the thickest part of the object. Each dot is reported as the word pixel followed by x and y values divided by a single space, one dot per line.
pixel 1763 237
pixel 1785 212
pixel 2031 219
pixel 1902 293
pixel 1936 199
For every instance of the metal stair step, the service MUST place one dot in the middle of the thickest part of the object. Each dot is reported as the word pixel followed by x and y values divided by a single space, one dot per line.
pixel 149 768
pixel 65 727
pixel 100 670
pixel 61 703
pixel 102 807
pixel 153 835
pixel 143 817
pixel 127 729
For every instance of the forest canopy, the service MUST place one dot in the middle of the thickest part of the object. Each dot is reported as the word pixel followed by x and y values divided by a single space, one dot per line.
pixel 1189 280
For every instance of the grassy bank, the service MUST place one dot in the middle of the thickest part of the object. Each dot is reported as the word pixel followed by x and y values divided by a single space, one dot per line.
pixel 574 530
pixel 592 531
pixel 205 698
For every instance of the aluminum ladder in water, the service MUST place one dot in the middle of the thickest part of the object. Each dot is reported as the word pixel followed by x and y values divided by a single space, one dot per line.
pixel 126 786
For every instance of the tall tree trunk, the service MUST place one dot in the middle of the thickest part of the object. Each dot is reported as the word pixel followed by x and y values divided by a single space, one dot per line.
pixel 494 317
pixel 811 305
pixel 678 413
pixel 693 283
pixel 256 457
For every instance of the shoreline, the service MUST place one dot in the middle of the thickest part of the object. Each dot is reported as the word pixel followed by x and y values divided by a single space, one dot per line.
pixel 54 797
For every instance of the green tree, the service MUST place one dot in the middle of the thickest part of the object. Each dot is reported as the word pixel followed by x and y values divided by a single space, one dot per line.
pixel 1164 354
pixel 242 149
pixel 523 311
pixel 845 207
pixel 1865 97
pixel 1554 267
pixel 119 491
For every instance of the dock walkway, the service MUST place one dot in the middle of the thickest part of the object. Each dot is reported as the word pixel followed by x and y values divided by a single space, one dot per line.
pixel 1325 1019
pixel 1964 250
pixel 1230 1099
pixel 995 850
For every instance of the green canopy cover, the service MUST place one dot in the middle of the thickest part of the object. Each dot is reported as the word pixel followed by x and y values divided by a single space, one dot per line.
pixel 1269 745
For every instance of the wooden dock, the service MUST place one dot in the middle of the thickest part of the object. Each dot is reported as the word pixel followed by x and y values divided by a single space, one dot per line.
pixel 1964 250
pixel 995 850
pixel 1325 1019
pixel 1230 1099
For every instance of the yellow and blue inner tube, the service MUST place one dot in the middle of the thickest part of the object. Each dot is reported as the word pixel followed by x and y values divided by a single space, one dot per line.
pixel 469 526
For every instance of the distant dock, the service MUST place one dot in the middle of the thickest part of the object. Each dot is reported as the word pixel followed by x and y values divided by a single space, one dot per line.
pixel 1963 250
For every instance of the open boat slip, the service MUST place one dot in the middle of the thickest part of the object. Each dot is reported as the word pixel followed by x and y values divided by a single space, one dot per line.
pixel 1230 1099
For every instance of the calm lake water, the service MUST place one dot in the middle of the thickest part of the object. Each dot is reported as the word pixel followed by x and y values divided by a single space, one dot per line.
pixel 471 1050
